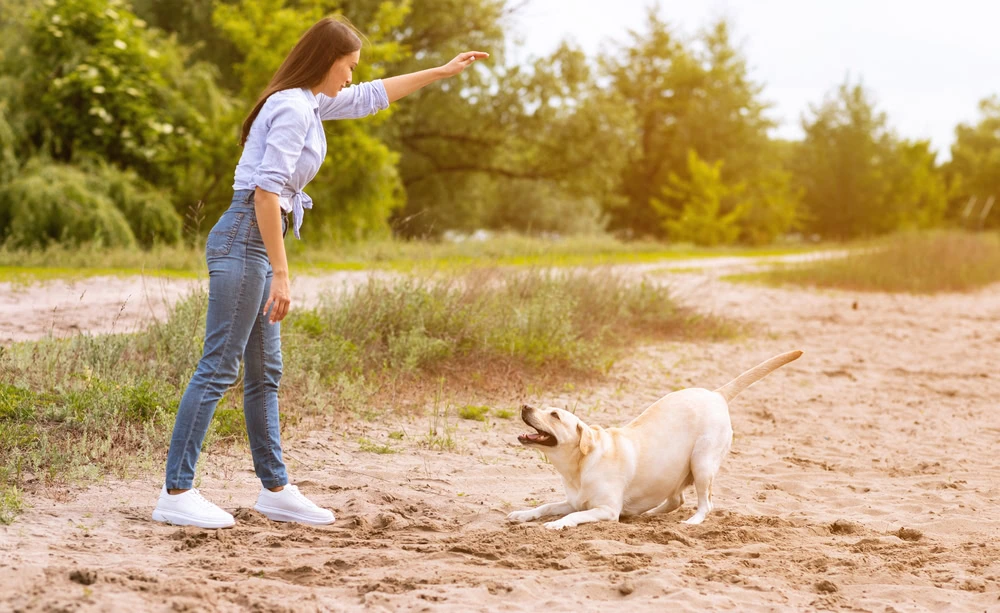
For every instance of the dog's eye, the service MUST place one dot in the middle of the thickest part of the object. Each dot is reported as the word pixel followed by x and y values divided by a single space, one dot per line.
pixel 555 414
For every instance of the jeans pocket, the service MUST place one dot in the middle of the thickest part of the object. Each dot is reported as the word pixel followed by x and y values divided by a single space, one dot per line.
pixel 221 238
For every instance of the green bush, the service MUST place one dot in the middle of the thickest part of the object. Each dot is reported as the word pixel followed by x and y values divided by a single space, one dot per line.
pixel 148 210
pixel 8 161
pixel 54 203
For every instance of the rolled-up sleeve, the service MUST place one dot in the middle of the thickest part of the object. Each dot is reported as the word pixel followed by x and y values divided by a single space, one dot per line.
pixel 354 102
pixel 286 135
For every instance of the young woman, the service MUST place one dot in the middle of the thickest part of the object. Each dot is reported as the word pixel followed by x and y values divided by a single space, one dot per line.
pixel 283 147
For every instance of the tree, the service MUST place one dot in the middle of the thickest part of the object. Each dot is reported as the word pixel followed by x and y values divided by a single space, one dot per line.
pixel 917 196
pixel 500 140
pixel 858 178
pixel 90 82
pixel 771 205
pixel 700 219
pixel 191 22
pixel 840 164
pixel 685 96
pixel 100 85
pixel 974 170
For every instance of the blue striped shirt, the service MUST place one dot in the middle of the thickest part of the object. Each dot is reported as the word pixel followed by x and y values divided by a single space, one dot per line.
pixel 286 143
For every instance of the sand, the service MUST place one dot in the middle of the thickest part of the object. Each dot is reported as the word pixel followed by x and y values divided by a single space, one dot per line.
pixel 863 477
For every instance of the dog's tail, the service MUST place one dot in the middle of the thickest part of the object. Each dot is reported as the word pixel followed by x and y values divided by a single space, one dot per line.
pixel 740 383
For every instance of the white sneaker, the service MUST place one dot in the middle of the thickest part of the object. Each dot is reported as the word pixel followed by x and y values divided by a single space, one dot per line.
pixel 290 505
pixel 190 509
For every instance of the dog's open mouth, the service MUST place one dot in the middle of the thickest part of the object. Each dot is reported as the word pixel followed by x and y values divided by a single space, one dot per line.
pixel 541 437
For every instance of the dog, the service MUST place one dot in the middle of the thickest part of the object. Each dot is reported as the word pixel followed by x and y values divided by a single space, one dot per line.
pixel 643 467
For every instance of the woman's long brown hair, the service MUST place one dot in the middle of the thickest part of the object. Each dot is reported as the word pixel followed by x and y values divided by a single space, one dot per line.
pixel 323 44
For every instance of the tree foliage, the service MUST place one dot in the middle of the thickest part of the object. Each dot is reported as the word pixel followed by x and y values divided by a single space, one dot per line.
pixel 695 95
pixel 858 177
pixel 700 219
pixel 665 135
pixel 974 170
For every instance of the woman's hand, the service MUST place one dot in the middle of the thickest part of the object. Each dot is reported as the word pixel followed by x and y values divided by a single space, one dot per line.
pixel 461 62
pixel 280 298
pixel 404 85
pixel 267 208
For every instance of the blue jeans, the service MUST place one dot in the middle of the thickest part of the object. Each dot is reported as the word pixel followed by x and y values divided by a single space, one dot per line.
pixel 239 284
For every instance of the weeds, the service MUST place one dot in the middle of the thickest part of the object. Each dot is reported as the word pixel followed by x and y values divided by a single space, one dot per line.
pixel 505 250
pixel 473 412
pixel 371 446
pixel 10 504
pixel 82 407
pixel 504 413
pixel 914 263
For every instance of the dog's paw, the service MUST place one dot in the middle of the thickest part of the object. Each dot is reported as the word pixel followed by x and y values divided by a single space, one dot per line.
pixel 556 525
pixel 519 517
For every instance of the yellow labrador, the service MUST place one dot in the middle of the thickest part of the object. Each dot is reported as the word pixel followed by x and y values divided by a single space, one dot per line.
pixel 643 467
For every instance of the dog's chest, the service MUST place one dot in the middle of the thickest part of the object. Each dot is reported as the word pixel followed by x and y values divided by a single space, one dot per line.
pixel 578 499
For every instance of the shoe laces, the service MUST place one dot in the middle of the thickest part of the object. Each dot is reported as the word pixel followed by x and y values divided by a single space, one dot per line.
pixel 301 497
pixel 201 500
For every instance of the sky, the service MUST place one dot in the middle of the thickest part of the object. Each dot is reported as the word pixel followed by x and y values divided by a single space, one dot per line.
pixel 927 62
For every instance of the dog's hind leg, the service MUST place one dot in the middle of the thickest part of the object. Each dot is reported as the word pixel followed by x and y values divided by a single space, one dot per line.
pixel 668 506
pixel 705 463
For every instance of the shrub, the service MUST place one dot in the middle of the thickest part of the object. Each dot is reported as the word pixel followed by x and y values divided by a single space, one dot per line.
pixel 53 203
pixel 148 210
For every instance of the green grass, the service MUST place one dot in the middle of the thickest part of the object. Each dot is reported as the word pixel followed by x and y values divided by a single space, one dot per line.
pixel 925 263
pixel 82 407
pixel 474 412
pixel 504 413
pixel 371 446
pixel 504 250
pixel 11 503
pixel 59 263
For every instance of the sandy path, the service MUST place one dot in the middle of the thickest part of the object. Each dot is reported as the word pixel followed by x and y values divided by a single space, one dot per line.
pixel 102 305
pixel 888 422
pixel 106 304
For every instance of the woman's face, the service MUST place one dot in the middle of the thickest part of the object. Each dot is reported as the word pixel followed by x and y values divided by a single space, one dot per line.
pixel 340 74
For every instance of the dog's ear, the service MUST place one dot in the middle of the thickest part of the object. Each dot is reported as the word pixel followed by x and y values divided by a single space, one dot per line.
pixel 586 438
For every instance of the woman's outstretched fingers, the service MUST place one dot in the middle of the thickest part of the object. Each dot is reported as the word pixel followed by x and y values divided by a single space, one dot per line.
pixel 463 60
pixel 471 56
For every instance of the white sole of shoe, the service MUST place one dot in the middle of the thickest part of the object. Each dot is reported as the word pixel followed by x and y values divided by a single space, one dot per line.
pixel 283 515
pixel 180 519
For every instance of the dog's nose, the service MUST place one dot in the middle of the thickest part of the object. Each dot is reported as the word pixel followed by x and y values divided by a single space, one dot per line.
pixel 525 409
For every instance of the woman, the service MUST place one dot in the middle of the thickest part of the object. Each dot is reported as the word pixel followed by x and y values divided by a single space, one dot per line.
pixel 283 147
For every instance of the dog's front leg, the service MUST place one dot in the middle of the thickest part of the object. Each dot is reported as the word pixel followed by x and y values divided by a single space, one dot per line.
pixel 552 508
pixel 603 513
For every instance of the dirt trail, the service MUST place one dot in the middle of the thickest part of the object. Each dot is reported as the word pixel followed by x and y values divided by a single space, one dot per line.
pixel 863 477
pixel 105 304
